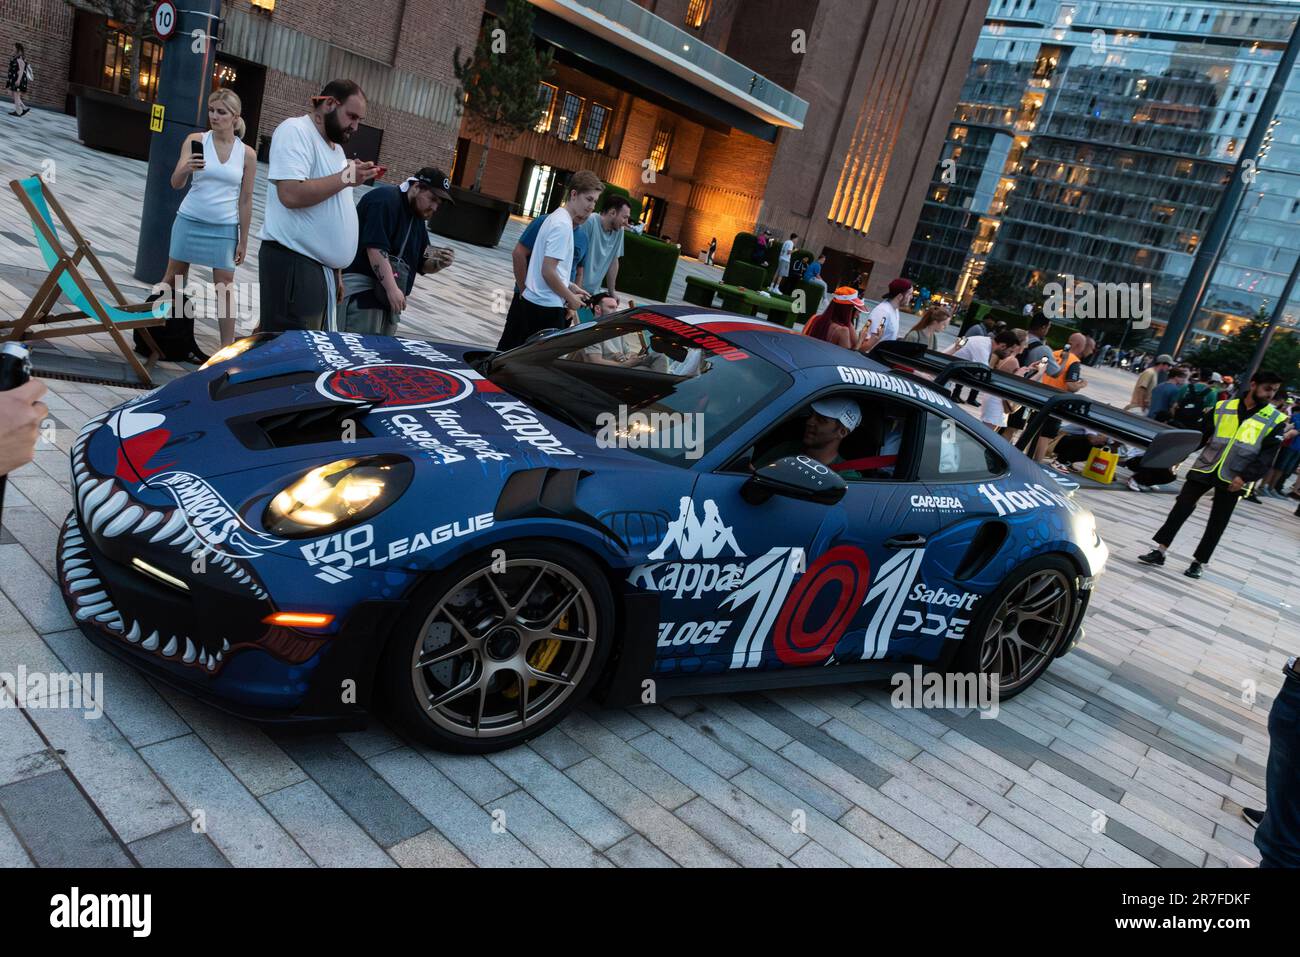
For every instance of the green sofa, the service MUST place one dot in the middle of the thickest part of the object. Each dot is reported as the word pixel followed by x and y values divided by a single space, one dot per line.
pixel 647 267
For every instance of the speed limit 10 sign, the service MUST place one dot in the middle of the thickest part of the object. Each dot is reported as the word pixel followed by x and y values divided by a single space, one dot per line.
pixel 164 19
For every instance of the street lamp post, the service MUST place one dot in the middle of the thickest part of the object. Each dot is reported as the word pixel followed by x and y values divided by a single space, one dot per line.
pixel 183 87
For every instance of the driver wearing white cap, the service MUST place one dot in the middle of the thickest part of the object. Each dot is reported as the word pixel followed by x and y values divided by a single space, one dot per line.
pixel 828 424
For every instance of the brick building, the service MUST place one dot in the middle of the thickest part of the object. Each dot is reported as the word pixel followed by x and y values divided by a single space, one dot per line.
pixel 822 118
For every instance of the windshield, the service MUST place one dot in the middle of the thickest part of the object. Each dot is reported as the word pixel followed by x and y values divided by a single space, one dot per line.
pixel 648 383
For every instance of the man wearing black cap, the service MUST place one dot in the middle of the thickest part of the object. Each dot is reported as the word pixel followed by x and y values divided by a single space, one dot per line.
pixel 393 246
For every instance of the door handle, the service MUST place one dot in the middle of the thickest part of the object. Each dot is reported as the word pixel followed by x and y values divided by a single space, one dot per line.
pixel 910 540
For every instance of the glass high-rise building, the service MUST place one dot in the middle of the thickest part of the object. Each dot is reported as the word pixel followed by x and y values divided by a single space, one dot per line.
pixel 1093 138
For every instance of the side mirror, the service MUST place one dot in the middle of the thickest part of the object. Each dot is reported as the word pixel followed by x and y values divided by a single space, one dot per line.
pixel 795 476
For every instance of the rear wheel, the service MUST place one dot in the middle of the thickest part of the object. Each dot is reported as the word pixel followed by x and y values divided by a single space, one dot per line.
pixel 499 651
pixel 1022 625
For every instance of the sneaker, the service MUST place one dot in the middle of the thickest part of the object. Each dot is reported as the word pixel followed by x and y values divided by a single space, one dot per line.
pixel 1193 570
pixel 1133 484
pixel 1153 557
pixel 1251 816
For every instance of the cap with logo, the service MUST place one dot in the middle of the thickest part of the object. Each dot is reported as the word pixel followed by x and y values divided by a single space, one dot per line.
pixel 844 411
pixel 433 179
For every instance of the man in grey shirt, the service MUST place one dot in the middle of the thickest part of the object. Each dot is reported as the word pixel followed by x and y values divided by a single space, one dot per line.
pixel 605 245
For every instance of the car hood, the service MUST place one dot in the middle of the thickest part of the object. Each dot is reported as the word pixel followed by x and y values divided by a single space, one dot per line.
pixel 241 430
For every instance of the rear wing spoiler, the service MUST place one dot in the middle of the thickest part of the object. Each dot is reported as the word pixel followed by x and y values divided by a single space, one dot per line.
pixel 1165 446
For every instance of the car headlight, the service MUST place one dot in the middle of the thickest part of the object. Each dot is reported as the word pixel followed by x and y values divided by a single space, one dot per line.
pixel 238 347
pixel 337 495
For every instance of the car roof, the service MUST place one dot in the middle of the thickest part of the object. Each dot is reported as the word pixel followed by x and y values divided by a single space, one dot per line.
pixel 783 347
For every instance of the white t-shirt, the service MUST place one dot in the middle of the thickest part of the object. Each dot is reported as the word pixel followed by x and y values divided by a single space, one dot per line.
pixel 326 232
pixel 554 239
pixel 787 249
pixel 884 314
pixel 976 349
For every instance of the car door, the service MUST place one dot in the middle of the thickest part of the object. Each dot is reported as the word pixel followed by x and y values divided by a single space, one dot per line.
pixel 725 573
pixel 936 593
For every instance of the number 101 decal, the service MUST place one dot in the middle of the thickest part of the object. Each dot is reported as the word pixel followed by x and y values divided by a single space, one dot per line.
pixel 836 585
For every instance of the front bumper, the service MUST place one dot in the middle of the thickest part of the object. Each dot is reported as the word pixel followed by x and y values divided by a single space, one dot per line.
pixel 214 645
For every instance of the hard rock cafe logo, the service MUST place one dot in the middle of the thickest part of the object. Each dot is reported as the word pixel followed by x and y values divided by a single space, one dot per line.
pixel 394 387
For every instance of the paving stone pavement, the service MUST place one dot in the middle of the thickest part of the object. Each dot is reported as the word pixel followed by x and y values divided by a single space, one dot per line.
pixel 1136 750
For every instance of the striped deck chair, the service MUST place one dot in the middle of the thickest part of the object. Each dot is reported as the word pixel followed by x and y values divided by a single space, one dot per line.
pixel 37 322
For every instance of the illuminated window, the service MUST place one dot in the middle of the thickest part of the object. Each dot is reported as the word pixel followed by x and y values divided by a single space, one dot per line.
pixel 546 99
pixel 566 123
pixel 697 13
pixel 266 6
pixel 593 133
pixel 659 151
pixel 117 63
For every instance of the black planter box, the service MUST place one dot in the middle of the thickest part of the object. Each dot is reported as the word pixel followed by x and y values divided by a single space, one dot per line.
pixel 116 124
pixel 475 218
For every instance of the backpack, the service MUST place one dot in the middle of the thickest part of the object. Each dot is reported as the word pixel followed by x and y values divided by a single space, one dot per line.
pixel 1189 408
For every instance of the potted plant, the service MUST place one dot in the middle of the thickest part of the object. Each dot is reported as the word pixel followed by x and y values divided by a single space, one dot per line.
pixel 107 120
pixel 498 89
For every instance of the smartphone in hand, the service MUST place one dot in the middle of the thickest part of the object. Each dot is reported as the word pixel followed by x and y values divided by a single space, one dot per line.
pixel 196 150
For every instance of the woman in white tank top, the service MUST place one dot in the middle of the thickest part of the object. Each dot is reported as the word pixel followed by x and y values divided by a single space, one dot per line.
pixel 211 227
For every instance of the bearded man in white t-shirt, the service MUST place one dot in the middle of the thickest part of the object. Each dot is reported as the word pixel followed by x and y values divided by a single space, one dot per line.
pixel 310 229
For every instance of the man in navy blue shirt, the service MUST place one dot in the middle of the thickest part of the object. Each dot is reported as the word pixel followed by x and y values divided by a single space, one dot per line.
pixel 392 246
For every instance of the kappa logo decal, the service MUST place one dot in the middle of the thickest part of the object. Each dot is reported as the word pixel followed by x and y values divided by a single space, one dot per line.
pixel 693 537
pixel 394 387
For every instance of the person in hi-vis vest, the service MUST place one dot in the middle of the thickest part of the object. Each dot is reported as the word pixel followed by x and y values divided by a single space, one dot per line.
pixel 1239 438
pixel 1068 379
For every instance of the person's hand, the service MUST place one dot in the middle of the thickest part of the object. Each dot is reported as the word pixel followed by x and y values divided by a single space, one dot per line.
pixel 338 286
pixel 358 171
pixel 446 256
pixel 570 317
pixel 396 298
pixel 194 162
pixel 21 415
pixel 1236 484
pixel 241 251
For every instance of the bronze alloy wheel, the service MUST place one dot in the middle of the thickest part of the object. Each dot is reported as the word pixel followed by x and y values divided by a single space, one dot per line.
pixel 502 650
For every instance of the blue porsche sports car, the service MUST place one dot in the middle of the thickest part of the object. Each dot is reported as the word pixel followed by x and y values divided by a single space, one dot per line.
pixel 669 500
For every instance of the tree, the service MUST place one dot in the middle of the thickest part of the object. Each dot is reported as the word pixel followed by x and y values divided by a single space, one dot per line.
pixel 135 17
pixel 1000 285
pixel 499 82
pixel 1231 356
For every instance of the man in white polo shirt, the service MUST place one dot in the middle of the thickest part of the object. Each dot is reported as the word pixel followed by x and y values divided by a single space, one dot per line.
pixel 549 300
pixel 310 230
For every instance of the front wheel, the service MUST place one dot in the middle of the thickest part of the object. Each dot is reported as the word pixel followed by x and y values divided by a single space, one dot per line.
pixel 501 647
pixel 1022 625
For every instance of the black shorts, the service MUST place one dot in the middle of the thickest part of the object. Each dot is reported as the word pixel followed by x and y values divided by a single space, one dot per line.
pixel 292 289
pixel 526 318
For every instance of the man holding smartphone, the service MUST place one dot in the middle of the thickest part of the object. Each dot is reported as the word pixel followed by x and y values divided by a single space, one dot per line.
pixel 394 246
pixel 549 300
pixel 310 230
